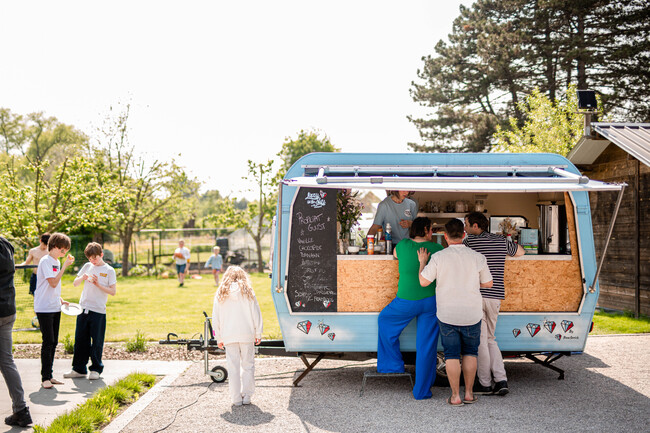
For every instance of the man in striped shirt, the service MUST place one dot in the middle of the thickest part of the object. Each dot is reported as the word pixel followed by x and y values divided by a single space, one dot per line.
pixel 495 248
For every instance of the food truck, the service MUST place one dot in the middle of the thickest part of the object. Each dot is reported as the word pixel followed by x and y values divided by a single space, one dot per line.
pixel 327 301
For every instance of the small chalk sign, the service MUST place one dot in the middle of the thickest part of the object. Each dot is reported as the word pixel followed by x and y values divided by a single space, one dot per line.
pixel 311 282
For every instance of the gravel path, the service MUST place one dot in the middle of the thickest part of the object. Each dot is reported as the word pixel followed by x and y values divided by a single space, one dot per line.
pixel 117 351
pixel 606 389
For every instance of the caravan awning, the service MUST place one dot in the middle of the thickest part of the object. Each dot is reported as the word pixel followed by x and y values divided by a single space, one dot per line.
pixel 449 179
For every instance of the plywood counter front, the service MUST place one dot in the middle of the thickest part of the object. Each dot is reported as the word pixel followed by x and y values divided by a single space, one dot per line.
pixel 366 283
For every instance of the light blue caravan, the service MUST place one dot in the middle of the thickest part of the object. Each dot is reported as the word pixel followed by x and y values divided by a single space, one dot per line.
pixel 327 304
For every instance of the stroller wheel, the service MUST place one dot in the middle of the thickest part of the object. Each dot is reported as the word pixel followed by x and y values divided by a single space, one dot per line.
pixel 219 375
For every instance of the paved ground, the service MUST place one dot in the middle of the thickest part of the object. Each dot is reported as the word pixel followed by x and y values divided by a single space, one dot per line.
pixel 47 404
pixel 606 389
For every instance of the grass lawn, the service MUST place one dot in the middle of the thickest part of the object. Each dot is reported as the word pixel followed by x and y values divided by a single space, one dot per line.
pixel 619 323
pixel 158 306
pixel 154 306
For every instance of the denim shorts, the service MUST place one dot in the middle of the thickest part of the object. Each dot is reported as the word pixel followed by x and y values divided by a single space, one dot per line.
pixel 460 340
pixel 180 268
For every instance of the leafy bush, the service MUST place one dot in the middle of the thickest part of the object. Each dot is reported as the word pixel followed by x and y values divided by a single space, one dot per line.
pixel 138 270
pixel 138 344
pixel 68 344
pixel 159 269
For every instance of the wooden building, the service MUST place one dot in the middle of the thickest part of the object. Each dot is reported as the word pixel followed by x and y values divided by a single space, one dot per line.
pixel 620 152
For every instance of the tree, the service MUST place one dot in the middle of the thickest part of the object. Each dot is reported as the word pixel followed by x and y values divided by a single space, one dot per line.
pixel 500 50
pixel 553 127
pixel 307 142
pixel 45 182
pixel 149 193
pixel 69 202
pixel 257 217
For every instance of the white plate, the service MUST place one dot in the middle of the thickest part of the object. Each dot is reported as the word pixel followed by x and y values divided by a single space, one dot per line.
pixel 72 309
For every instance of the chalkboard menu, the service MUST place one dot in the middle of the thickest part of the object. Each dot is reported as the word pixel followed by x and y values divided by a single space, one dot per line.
pixel 311 281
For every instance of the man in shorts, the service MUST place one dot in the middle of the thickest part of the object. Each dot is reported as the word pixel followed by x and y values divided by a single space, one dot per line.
pixel 459 272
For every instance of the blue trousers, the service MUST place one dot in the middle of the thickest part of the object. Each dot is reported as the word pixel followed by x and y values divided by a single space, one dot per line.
pixel 89 342
pixel 392 321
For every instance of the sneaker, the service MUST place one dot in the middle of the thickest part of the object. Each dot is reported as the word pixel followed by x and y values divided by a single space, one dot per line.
pixel 73 374
pixel 246 400
pixel 47 384
pixel 237 403
pixel 94 375
pixel 501 388
pixel 54 381
pixel 21 418
pixel 480 389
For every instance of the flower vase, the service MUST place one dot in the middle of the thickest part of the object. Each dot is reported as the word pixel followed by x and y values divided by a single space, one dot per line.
pixel 344 243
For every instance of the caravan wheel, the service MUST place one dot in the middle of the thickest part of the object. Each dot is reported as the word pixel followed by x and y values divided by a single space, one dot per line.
pixel 220 374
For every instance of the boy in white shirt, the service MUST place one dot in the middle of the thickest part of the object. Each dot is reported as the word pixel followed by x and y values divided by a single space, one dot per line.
pixel 182 257
pixel 99 281
pixel 48 301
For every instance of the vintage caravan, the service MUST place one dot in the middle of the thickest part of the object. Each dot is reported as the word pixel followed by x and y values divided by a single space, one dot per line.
pixel 327 303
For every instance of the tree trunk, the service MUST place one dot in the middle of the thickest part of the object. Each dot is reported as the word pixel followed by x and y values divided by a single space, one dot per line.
pixel 126 244
pixel 582 68
pixel 258 246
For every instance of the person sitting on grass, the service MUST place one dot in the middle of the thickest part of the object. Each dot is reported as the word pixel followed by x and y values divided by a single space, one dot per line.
pixel 459 272
pixel 99 282
pixel 237 324
pixel 48 301
pixel 216 263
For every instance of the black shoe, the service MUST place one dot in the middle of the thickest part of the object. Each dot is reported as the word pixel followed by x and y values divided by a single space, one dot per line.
pixel 21 418
pixel 501 388
pixel 480 389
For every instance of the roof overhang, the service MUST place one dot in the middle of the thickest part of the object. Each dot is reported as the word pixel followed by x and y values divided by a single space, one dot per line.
pixel 449 179
pixel 633 138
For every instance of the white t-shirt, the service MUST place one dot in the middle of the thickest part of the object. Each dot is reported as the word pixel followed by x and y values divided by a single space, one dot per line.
pixel 458 272
pixel 185 252
pixel 46 297
pixel 92 297
pixel 390 212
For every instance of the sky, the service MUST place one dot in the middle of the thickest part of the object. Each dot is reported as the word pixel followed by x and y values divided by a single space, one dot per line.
pixel 213 84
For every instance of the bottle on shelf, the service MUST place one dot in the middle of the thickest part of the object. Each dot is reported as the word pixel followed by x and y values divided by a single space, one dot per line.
pixel 389 239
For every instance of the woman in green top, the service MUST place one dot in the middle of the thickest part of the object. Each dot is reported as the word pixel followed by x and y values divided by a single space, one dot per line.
pixel 413 300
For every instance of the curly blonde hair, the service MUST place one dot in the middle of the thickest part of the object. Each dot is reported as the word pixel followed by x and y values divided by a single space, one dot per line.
pixel 235 274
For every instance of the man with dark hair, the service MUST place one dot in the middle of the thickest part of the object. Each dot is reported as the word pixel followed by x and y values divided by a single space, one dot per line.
pixel 20 415
pixel 35 255
pixel 458 272
pixel 495 248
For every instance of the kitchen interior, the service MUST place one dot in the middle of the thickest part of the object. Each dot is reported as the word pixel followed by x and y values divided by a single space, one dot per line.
pixel 537 221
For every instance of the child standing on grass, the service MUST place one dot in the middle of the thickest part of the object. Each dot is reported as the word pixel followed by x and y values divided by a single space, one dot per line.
pixel 216 263
pixel 237 323
pixel 99 282
pixel 48 301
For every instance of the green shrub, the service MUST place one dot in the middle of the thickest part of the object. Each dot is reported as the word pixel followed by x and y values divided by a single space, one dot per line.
pixel 68 344
pixel 138 344
pixel 138 270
